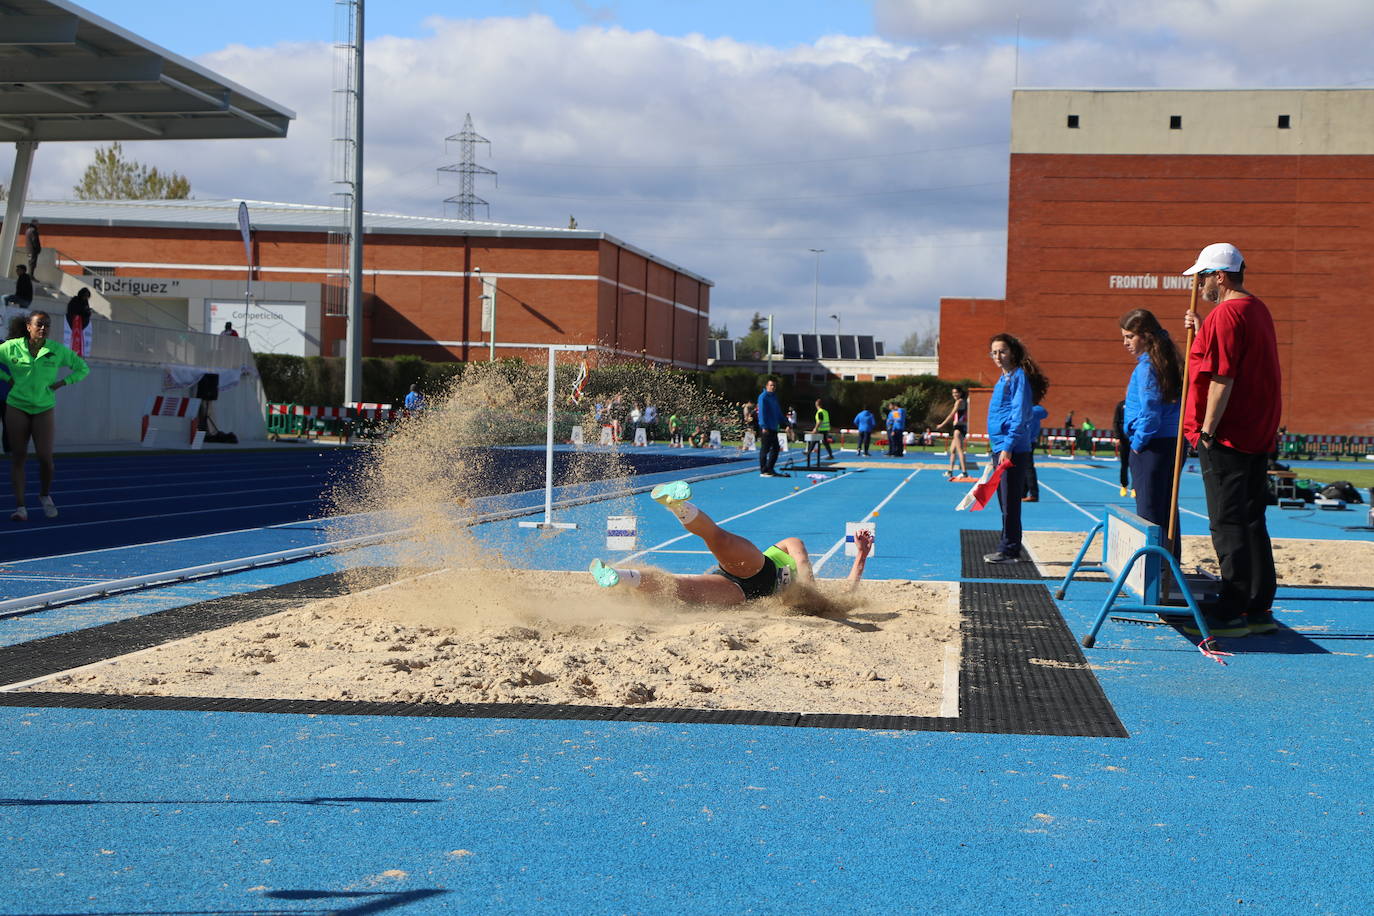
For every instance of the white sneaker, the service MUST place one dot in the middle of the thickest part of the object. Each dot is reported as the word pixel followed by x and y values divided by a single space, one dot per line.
pixel 19 515
pixel 48 508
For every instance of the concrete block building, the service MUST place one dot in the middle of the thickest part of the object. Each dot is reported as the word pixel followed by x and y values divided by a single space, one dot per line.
pixel 1114 192
pixel 434 287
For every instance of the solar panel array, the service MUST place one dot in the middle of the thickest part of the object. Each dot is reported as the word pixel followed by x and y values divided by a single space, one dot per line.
pixel 722 349
pixel 830 346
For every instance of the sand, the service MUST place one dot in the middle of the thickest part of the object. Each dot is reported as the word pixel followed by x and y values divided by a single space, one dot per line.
pixel 1298 562
pixel 499 636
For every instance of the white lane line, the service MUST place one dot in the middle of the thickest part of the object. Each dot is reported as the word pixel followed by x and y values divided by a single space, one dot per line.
pixel 816 567
pixel 1045 486
pixel 782 499
pixel 1107 483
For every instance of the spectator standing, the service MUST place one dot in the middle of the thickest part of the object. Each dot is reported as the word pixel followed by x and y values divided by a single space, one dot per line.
pixel 229 330
pixel 31 364
pixel 1021 386
pixel 414 401
pixel 791 424
pixel 650 420
pixel 865 422
pixel 822 428
pixel 22 297
pixel 958 421
pixel 35 244
pixel 896 430
pixel 675 430
pixel 1231 417
pixel 1085 436
pixel 1068 421
pixel 770 422
pixel 1123 446
pixel 1149 415
pixel 1038 415
pixel 78 330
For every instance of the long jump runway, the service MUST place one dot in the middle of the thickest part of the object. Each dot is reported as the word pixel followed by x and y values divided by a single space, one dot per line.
pixel 1177 784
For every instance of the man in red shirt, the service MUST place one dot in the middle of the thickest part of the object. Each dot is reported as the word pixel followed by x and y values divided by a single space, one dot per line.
pixel 1232 418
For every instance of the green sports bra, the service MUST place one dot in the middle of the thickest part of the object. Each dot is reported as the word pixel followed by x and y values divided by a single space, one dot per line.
pixel 786 565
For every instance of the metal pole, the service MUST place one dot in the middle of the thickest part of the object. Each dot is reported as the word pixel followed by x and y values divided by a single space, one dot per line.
pixel 14 207
pixel 816 300
pixel 353 361
pixel 770 344
pixel 548 521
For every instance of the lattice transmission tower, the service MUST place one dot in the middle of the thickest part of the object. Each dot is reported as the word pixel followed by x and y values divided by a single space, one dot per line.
pixel 467 168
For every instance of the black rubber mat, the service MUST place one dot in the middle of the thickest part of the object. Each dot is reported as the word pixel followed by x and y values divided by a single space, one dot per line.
pixel 1021 672
pixel 974 544
pixel 1036 680
pixel 65 651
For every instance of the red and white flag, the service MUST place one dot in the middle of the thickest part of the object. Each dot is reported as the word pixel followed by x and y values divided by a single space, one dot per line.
pixel 986 487
pixel 579 384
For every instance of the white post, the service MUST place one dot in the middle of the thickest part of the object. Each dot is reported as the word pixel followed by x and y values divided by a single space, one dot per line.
pixel 548 521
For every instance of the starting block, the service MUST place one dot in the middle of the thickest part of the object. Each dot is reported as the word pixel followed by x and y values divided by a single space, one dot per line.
pixel 1133 553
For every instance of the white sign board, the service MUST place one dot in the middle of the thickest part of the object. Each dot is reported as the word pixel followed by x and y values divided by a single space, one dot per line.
pixel 621 532
pixel 851 549
pixel 271 327
pixel 577 435
pixel 1121 541
pixel 488 304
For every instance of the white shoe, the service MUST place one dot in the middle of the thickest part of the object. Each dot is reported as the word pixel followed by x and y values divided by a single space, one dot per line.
pixel 48 508
pixel 19 515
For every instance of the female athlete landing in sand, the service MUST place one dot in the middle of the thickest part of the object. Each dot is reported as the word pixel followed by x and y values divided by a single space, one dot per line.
pixel 745 572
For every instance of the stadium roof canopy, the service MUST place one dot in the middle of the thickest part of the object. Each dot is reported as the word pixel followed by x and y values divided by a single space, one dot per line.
pixel 67 74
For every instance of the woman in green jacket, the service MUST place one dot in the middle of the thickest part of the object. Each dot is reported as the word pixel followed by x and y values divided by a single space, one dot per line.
pixel 31 362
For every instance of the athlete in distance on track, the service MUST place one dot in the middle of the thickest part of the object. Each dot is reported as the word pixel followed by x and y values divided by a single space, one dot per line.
pixel 745 572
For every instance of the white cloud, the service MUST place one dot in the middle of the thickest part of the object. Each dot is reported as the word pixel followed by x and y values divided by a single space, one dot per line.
pixel 732 159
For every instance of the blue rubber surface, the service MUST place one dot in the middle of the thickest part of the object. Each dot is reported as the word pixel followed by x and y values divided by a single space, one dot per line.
pixel 1241 789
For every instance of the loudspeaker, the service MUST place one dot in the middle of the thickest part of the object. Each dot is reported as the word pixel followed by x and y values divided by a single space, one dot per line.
pixel 207 389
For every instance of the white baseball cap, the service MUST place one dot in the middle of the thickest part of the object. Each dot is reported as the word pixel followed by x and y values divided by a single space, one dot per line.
pixel 1221 256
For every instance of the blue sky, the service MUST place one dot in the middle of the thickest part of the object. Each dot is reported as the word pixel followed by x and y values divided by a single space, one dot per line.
pixel 730 138
pixel 781 24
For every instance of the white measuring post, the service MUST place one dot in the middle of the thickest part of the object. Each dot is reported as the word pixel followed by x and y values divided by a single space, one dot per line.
pixel 548 521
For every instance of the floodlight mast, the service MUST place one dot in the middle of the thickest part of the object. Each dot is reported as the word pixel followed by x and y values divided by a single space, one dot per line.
pixel 353 358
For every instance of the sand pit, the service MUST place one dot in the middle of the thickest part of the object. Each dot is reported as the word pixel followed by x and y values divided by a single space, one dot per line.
pixel 501 636
pixel 1298 561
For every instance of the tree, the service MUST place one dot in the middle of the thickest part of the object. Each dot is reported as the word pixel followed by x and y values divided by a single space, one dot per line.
pixel 924 341
pixel 112 177
pixel 754 345
pixel 718 333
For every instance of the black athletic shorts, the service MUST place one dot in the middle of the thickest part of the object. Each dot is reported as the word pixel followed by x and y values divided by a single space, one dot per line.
pixel 760 585
pixel 961 429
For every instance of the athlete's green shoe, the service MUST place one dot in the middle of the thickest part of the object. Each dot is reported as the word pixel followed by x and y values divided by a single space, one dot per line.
pixel 605 576
pixel 669 493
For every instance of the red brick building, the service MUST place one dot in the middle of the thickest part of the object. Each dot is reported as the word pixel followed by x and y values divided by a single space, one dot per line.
pixel 1113 193
pixel 183 264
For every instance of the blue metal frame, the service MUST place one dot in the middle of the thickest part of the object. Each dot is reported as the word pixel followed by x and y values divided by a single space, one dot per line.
pixel 1150 599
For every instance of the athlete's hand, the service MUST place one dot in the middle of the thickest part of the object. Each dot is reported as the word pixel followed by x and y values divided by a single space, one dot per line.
pixel 863 542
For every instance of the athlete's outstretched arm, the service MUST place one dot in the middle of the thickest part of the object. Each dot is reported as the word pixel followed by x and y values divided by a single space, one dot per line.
pixel 863 542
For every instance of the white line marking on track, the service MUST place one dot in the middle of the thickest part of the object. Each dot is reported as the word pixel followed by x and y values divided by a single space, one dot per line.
pixel 1107 483
pixel 781 499
pixel 816 567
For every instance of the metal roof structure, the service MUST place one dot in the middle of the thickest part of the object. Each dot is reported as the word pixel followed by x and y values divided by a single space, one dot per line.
pixel 284 217
pixel 67 74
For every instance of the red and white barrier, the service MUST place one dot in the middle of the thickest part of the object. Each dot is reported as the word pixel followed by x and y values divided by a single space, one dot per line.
pixel 172 422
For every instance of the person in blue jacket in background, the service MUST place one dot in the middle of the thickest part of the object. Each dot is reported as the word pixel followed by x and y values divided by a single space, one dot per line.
pixel 896 430
pixel 770 421
pixel 1150 417
pixel 1010 424
pixel 865 423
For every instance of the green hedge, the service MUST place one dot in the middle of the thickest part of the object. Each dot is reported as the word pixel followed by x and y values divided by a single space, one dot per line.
pixel 319 381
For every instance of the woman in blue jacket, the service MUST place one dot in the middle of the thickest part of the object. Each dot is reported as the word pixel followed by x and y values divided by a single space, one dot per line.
pixel 865 423
pixel 1021 386
pixel 1150 417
